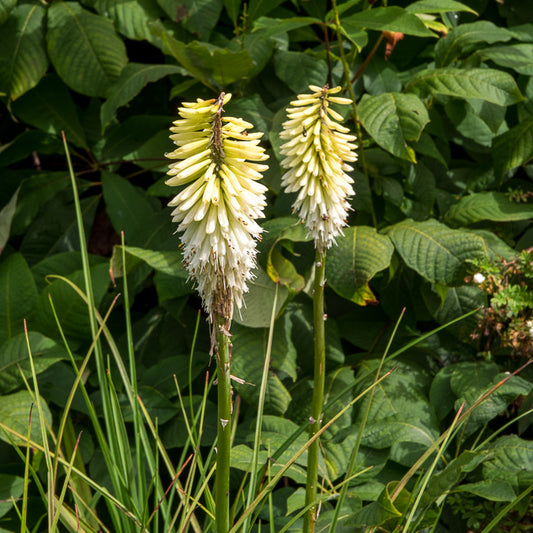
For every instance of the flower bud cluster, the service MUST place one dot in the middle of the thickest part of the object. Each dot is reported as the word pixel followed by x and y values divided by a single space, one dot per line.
pixel 217 160
pixel 317 151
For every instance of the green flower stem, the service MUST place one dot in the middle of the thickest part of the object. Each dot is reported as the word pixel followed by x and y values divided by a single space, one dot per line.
pixel 222 350
pixel 315 418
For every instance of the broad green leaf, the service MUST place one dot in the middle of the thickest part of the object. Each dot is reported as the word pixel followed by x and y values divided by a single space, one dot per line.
pixel 11 489
pixel 465 37
pixel 394 416
pixel 252 109
pixel 84 48
pixel 395 19
pixel 61 264
pixel 437 6
pixel 15 361
pixel 199 17
pixel 55 229
pixel 494 490
pixel 514 147
pixel 23 60
pixel 167 262
pixel 28 142
pixel 132 18
pixel 495 206
pixel 258 8
pixel 271 27
pixel 50 108
pixel 359 255
pixel 259 300
pixel 212 65
pixel 134 77
pixel 495 247
pixel 233 8
pixel 17 295
pixel 6 218
pixel 241 459
pixel 514 56
pixel 71 310
pixel 435 251
pixel 15 412
pixel 5 7
pixel 35 191
pixel 486 84
pixel 125 139
pixel 392 119
pixel 468 122
pixel 249 348
pixel 128 208
pixel 511 461
pixel 299 70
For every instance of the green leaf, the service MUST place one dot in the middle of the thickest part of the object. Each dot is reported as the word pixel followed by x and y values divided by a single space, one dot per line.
pixel 18 293
pixel 15 362
pixel 134 77
pixel 392 119
pixel 212 65
pixel 258 8
pixel 132 18
pixel 233 8
pixel 435 251
pixel 84 48
pixel 5 7
pixel 465 37
pixel 123 140
pixel 515 56
pixel 50 108
pixel 167 262
pixel 15 414
pixel 259 300
pixel 514 147
pixel 299 70
pixel 486 84
pixel 26 143
pixel 241 459
pixel 71 310
pixel 359 255
pixel 511 461
pixel 35 191
pixel 437 6
pixel 128 208
pixel 11 489
pixel 23 60
pixel 494 490
pixel 6 217
pixel 198 16
pixel 495 206
pixel 395 19
pixel 249 346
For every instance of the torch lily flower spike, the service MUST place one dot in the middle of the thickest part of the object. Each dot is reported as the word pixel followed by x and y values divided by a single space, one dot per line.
pixel 317 151
pixel 217 160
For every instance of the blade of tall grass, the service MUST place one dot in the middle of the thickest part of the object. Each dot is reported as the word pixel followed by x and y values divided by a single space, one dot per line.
pixel 24 512
pixel 252 488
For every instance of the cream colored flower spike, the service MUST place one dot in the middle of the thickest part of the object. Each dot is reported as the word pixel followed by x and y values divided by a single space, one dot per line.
pixel 317 153
pixel 217 210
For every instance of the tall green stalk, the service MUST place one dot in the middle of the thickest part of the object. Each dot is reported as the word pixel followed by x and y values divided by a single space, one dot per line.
pixel 223 356
pixel 319 379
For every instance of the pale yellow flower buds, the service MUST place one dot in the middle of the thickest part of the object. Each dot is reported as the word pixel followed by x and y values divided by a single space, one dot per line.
pixel 317 153
pixel 217 211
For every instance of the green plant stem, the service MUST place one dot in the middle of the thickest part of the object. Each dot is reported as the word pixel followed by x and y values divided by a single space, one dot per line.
pixel 318 390
pixel 349 86
pixel 223 356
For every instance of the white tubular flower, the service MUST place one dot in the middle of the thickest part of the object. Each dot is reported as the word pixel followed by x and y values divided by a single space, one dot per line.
pixel 217 211
pixel 316 154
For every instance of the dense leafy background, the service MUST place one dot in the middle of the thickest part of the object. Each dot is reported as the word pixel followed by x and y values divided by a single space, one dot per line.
pixel 446 128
